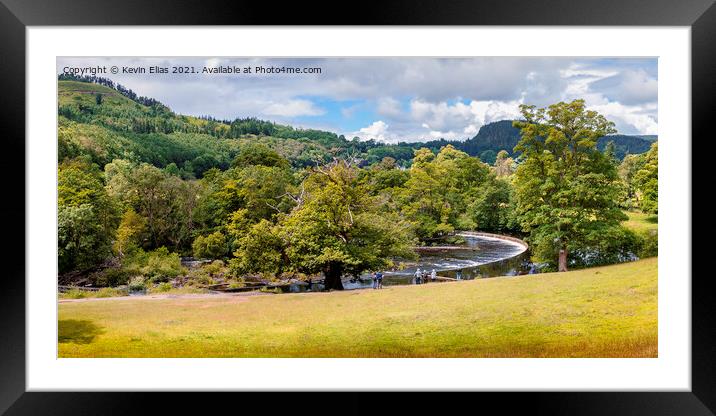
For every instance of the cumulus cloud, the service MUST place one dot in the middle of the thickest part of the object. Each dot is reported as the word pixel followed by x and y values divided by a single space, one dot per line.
pixel 378 131
pixel 628 87
pixel 389 107
pixel 628 119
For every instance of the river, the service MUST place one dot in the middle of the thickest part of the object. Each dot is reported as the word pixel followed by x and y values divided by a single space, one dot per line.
pixel 479 256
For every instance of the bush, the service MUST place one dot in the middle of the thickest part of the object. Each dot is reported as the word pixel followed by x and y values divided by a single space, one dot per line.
pixel 213 246
pixel 162 287
pixel 236 285
pixel 455 240
pixel 201 277
pixel 74 294
pixel 158 266
pixel 215 267
pixel 112 277
pixel 649 245
pixel 137 284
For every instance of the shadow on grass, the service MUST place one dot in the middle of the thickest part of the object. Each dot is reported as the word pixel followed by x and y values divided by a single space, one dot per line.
pixel 76 331
pixel 652 219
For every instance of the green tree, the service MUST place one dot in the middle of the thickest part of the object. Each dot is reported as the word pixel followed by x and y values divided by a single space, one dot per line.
pixel 491 208
pixel 627 172
pixel 646 181
pixel 337 228
pixel 87 216
pixel 81 241
pixel 259 155
pixel 610 151
pixel 260 250
pixel 129 233
pixel 440 189
pixel 166 202
pixel 488 156
pixel 566 190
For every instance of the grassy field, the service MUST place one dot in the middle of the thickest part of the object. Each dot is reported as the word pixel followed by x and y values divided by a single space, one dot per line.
pixel 601 312
pixel 640 222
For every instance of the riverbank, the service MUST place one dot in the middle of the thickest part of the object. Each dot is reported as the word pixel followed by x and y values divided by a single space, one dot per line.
pixel 601 312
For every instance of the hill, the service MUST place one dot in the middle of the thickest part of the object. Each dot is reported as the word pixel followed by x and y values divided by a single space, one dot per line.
pixel 501 135
pixel 106 121
pixel 649 137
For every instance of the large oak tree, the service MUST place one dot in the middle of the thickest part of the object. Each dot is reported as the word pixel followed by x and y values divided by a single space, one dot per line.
pixel 566 190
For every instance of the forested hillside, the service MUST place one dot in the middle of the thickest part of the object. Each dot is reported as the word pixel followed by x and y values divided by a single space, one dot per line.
pixel 108 121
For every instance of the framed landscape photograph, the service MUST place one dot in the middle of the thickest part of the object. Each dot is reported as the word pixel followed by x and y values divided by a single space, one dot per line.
pixel 412 207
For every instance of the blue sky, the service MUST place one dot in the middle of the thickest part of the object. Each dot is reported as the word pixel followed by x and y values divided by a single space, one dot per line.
pixel 400 99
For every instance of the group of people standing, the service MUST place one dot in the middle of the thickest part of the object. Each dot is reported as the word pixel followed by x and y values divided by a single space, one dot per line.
pixel 422 276
pixel 378 280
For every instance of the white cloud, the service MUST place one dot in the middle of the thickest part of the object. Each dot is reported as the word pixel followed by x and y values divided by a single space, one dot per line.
pixel 628 119
pixel 378 131
pixel 293 108
pixel 389 107
pixel 628 87
pixel 459 120
pixel 490 111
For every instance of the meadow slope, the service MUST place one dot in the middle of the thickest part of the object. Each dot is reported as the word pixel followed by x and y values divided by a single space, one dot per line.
pixel 600 312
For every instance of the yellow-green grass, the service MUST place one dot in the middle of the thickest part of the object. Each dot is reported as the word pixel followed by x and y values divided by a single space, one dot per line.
pixel 641 222
pixel 601 312
pixel 184 290
pixel 111 292
pixel 69 92
pixel 105 292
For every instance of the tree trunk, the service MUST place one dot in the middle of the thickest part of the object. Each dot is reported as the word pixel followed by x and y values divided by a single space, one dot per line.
pixel 562 267
pixel 333 277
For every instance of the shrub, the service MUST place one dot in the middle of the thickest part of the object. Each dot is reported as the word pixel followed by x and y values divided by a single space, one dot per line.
pixel 649 245
pixel 162 287
pixel 455 240
pixel 236 285
pixel 109 292
pixel 137 284
pixel 215 267
pixel 112 277
pixel 213 246
pixel 158 266
pixel 203 278
pixel 74 294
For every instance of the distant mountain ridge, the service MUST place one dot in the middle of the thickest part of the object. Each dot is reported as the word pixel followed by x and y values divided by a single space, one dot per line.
pixel 501 135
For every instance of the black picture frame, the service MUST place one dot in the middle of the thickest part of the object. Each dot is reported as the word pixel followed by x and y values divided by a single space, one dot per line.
pixel 16 15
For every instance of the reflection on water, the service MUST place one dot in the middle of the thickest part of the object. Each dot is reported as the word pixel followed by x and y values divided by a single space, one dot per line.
pixel 478 257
